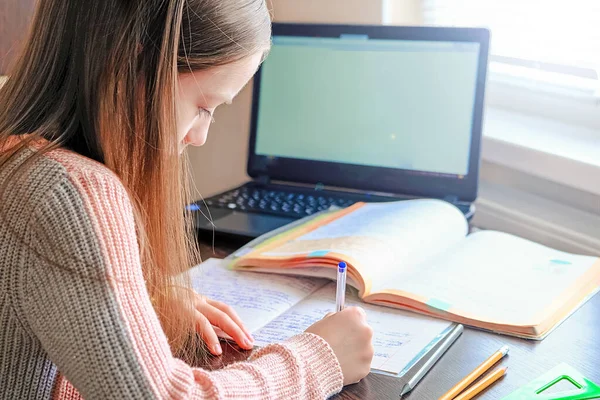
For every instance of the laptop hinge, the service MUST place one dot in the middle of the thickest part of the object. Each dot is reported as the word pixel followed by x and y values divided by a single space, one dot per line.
pixel 263 179
pixel 451 199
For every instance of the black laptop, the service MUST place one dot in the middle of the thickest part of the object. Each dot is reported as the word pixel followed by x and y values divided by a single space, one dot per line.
pixel 343 114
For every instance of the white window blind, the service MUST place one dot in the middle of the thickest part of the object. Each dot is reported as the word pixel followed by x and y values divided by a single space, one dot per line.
pixel 550 44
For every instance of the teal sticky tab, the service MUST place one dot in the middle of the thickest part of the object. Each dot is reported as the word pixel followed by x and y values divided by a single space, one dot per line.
pixel 539 389
pixel 560 262
pixel 439 304
pixel 318 253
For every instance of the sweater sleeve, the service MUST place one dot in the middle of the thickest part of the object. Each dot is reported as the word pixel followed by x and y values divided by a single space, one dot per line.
pixel 87 303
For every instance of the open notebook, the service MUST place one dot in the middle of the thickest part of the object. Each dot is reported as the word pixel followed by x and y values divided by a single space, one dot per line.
pixel 417 255
pixel 275 308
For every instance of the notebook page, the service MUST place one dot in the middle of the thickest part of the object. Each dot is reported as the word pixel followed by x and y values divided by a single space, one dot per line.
pixel 399 336
pixel 493 276
pixel 257 298
pixel 382 236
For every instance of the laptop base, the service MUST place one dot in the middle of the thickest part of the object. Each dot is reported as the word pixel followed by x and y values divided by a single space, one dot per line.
pixel 274 205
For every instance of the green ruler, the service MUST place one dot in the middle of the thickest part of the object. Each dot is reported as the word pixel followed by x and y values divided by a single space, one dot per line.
pixel 540 388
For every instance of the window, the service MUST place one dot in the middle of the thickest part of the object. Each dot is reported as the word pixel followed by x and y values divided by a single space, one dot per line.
pixel 543 92
pixel 538 47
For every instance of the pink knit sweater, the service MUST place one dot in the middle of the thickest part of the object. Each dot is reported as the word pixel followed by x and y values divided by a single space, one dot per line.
pixel 76 316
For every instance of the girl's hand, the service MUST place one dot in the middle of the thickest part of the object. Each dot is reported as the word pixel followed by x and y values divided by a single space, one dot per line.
pixel 350 338
pixel 211 314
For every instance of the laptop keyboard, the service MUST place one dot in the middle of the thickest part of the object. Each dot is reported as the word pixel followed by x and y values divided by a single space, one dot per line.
pixel 277 202
pixel 289 203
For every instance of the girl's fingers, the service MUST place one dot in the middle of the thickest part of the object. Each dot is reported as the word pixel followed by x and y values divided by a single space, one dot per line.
pixel 223 321
pixel 207 332
pixel 232 314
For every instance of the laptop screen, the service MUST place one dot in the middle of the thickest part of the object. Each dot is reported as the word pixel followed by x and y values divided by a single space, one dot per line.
pixel 384 103
pixel 397 104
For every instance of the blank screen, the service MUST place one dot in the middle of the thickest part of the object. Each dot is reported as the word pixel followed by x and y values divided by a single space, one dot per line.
pixel 354 100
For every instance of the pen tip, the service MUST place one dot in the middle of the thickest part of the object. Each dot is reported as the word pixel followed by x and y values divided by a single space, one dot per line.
pixel 405 389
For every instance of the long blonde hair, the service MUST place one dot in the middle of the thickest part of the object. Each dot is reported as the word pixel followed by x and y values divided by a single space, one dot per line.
pixel 99 78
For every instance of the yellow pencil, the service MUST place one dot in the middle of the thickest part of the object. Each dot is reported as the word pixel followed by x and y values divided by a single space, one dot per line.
pixel 477 372
pixel 483 384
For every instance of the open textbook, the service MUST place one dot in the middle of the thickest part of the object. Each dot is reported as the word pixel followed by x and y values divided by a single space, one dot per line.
pixel 417 255
pixel 276 307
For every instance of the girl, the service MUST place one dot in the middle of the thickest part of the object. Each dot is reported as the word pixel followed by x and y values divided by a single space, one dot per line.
pixel 94 117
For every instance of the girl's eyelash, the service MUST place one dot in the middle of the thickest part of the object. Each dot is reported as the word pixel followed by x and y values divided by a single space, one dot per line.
pixel 207 113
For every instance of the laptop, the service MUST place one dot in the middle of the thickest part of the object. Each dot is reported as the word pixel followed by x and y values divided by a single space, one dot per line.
pixel 343 114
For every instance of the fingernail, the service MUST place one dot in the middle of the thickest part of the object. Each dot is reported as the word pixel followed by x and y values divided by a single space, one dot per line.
pixel 217 349
pixel 248 342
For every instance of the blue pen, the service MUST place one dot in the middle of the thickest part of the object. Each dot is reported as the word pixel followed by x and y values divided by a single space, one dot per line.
pixel 340 294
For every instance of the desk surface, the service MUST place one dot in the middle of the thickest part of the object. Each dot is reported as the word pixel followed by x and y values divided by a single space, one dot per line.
pixel 576 342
